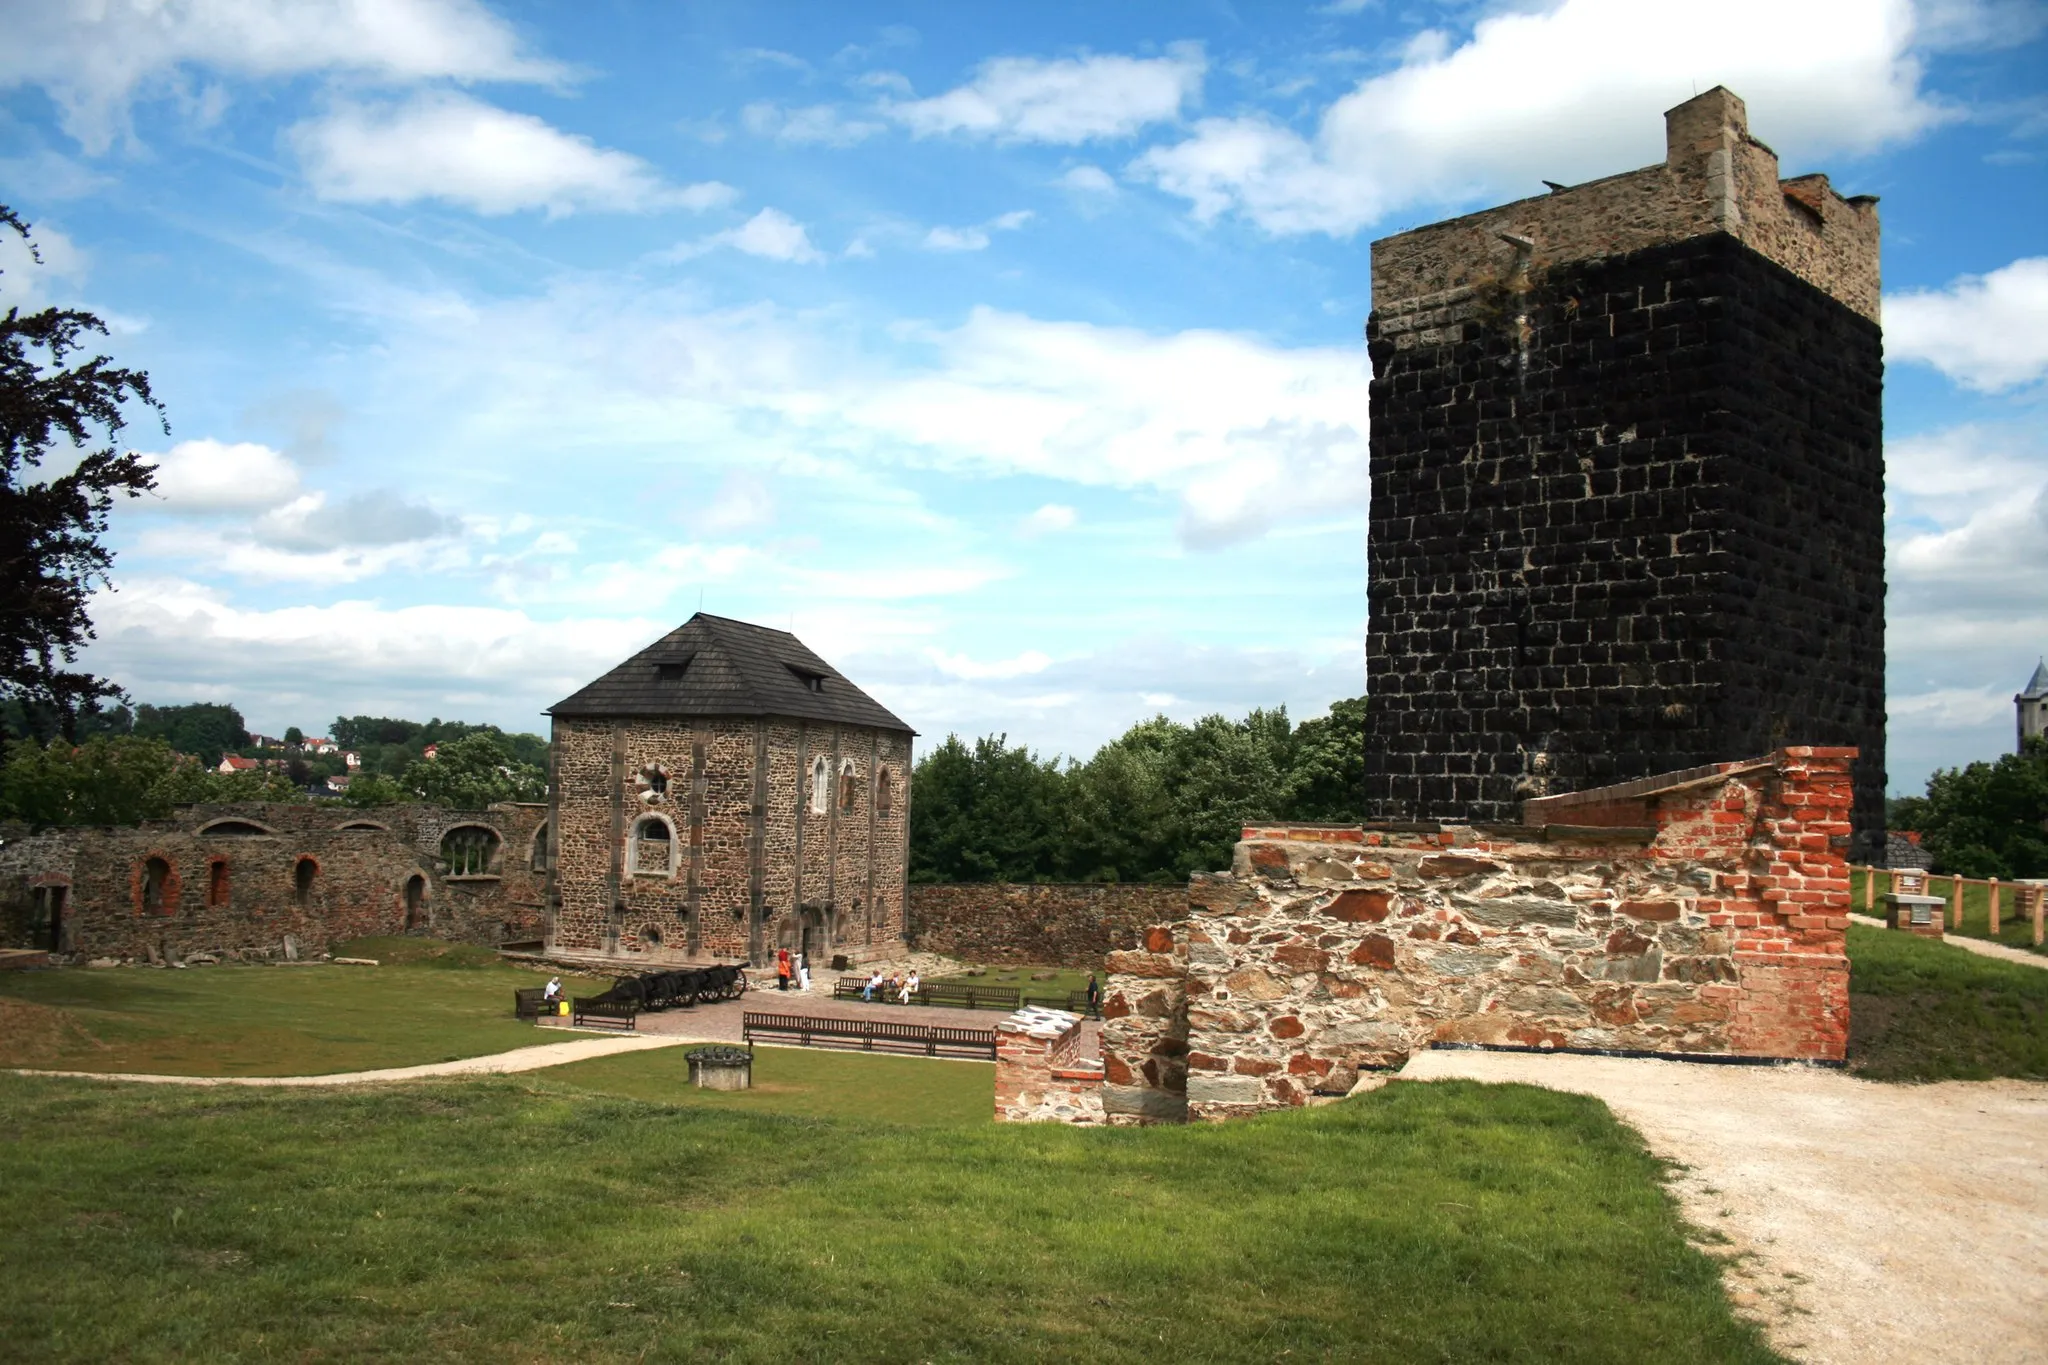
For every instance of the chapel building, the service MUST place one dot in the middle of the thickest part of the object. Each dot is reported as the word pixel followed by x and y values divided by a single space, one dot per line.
pixel 724 793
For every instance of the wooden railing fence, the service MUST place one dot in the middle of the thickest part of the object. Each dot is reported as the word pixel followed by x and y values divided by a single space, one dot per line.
pixel 2030 899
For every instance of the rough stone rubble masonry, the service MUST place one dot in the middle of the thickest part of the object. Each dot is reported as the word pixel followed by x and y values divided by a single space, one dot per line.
pixel 1696 913
pixel 238 880
pixel 1627 483
pixel 1041 1076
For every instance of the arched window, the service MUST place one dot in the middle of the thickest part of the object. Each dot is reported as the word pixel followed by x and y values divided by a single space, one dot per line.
pixel 217 882
pixel 849 787
pixel 821 785
pixel 415 903
pixel 156 880
pixel 469 850
pixel 538 862
pixel 885 785
pixel 302 881
pixel 653 850
pixel 650 935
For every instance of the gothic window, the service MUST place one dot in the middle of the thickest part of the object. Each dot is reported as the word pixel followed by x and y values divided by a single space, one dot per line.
pixel 302 881
pixel 884 791
pixel 538 861
pixel 217 882
pixel 849 787
pixel 821 785
pixel 415 904
pixel 469 850
pixel 653 847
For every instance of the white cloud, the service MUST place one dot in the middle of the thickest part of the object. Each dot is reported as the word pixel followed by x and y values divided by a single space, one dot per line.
pixel 460 150
pixel 311 523
pixel 1977 25
pixel 961 666
pixel 1570 91
pixel 207 476
pixel 95 58
pixel 1087 180
pixel 974 238
pixel 171 638
pixel 1242 431
pixel 1051 518
pixel 1986 332
pixel 25 282
pixel 775 236
pixel 1953 708
pixel 1069 100
pixel 743 501
pixel 815 125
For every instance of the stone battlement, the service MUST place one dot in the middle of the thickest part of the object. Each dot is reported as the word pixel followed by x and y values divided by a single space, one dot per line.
pixel 1715 178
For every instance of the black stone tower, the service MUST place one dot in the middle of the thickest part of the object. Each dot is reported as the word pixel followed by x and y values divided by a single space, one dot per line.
pixel 1627 484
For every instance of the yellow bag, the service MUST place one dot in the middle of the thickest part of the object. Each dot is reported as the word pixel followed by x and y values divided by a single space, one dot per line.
pixel 562 1008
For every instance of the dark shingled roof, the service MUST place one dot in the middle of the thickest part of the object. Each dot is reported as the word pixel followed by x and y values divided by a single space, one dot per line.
pixel 728 668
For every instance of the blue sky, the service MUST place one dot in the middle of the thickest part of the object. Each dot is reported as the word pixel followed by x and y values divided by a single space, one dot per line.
pixel 1010 354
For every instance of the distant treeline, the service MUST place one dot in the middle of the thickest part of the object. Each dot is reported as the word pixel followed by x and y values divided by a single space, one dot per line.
pixel 1162 801
pixel 137 763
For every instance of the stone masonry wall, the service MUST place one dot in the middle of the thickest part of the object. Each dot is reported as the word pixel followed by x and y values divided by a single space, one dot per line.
pixel 227 879
pixel 1145 1029
pixel 1016 924
pixel 1627 484
pixel 753 866
pixel 1702 916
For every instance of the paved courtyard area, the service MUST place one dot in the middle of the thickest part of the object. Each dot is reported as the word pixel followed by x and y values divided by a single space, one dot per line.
pixel 1872 1223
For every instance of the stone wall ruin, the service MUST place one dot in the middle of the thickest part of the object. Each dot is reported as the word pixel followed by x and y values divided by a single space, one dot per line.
pixel 1697 914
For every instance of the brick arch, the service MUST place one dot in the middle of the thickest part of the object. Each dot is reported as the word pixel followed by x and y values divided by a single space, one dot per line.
pixel 170 887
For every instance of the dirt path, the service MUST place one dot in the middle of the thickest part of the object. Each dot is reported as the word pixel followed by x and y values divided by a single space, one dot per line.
pixel 1874 1223
pixel 1982 947
pixel 497 1064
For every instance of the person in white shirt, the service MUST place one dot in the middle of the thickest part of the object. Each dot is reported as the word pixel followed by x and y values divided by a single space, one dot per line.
pixel 874 984
pixel 909 986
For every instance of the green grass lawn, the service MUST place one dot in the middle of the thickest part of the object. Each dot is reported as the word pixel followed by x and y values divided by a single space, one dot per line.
pixel 430 1002
pixel 802 1082
pixel 2012 932
pixel 1060 982
pixel 1926 1011
pixel 535 1219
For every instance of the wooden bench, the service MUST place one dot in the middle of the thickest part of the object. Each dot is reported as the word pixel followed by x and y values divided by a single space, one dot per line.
pixel 870 1035
pixel 951 994
pixel 598 1012
pixel 526 1003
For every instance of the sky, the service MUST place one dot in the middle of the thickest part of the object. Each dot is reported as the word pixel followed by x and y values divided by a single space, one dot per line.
pixel 1010 355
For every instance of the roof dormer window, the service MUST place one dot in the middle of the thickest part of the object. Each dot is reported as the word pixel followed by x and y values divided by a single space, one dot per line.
pixel 673 670
pixel 813 682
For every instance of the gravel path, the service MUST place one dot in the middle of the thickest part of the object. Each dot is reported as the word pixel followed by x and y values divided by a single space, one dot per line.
pixel 499 1063
pixel 1872 1223
pixel 1982 947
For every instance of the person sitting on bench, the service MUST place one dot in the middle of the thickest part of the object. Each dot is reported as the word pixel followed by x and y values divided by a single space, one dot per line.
pixel 909 986
pixel 551 994
pixel 867 992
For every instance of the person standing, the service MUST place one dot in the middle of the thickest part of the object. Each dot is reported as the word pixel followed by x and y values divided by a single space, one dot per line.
pixel 803 971
pixel 782 969
pixel 1094 995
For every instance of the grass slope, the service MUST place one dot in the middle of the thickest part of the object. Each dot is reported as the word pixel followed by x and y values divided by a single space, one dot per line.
pixel 525 1219
pixel 2012 932
pixel 798 1082
pixel 1925 1011
pixel 448 1001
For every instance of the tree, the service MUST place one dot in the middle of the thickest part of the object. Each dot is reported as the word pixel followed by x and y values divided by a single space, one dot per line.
pixel 50 552
pixel 294 737
pixel 1988 819
pixel 118 780
pixel 473 772
pixel 985 814
pixel 1326 773
pixel 206 730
